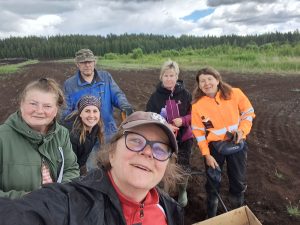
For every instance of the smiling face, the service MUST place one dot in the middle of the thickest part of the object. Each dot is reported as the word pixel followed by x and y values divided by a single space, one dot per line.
pixel 137 172
pixel 208 84
pixel 169 79
pixel 90 116
pixel 38 109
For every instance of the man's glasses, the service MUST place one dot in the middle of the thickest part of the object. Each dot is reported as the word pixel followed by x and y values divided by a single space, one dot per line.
pixel 137 143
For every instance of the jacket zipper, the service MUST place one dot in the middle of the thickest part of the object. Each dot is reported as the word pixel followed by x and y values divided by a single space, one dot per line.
pixel 142 210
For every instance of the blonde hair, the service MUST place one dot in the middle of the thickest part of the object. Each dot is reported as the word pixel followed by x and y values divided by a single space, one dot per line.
pixel 169 65
pixel 224 88
pixel 173 174
pixel 47 85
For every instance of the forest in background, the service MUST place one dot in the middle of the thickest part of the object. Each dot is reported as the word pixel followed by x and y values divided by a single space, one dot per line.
pixel 60 47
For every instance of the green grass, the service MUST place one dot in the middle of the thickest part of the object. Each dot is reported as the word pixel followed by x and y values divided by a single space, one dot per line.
pixel 236 60
pixel 258 63
pixel 12 68
pixel 125 62
pixel 293 210
pixel 223 58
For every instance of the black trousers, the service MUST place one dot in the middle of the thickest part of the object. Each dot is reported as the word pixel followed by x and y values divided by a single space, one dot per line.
pixel 184 153
pixel 236 170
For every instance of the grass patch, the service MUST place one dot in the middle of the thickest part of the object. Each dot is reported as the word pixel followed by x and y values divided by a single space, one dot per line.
pixel 236 63
pixel 234 60
pixel 279 175
pixel 12 68
pixel 293 210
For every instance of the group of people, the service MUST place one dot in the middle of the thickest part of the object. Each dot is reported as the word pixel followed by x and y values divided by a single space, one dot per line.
pixel 52 170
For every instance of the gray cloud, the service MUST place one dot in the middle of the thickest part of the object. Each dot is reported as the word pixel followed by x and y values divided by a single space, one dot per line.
pixel 215 3
pixel 33 7
pixel 9 22
pixel 102 17
pixel 251 18
pixel 250 14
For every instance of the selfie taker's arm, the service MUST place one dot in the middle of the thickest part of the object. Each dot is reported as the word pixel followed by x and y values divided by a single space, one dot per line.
pixel 45 206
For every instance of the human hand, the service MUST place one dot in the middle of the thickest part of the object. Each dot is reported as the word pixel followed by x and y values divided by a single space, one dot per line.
pixel 177 122
pixel 174 129
pixel 210 161
pixel 128 111
pixel 238 136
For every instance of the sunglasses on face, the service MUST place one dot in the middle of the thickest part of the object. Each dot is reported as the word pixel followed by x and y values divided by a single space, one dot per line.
pixel 136 142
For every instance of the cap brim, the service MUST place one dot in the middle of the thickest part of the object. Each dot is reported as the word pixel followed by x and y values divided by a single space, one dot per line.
pixel 169 133
pixel 86 60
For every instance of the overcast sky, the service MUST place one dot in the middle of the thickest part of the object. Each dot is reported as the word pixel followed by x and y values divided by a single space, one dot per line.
pixel 167 17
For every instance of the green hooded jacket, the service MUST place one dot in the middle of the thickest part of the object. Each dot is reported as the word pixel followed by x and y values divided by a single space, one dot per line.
pixel 22 151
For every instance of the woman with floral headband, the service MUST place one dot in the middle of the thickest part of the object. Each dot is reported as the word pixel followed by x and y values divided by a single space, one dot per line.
pixel 87 129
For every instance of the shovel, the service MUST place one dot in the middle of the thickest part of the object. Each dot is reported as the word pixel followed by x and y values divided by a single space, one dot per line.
pixel 212 185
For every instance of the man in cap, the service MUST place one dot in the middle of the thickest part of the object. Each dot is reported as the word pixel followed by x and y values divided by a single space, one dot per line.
pixel 89 81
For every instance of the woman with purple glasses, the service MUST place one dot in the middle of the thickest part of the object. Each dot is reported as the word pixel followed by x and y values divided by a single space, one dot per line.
pixel 122 191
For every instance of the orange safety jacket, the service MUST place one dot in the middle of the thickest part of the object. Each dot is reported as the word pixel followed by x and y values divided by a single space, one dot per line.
pixel 213 117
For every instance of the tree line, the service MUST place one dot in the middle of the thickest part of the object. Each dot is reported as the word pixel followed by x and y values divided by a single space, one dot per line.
pixel 65 46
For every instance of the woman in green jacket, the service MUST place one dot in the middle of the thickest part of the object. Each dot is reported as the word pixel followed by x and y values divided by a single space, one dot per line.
pixel 34 148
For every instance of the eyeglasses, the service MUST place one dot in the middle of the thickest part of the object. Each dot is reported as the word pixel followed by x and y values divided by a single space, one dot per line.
pixel 86 62
pixel 137 143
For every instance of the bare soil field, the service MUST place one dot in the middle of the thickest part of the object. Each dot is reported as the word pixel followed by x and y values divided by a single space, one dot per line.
pixel 274 143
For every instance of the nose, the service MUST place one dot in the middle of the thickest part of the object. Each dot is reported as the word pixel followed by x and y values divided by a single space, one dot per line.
pixel 93 114
pixel 147 151
pixel 39 108
pixel 205 82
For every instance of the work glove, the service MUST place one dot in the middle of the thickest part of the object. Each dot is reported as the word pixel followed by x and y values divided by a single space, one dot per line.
pixel 215 174
pixel 126 112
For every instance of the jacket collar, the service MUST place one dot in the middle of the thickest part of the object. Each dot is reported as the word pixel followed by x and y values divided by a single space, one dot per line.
pixel 82 82
pixel 98 180
pixel 16 122
pixel 178 88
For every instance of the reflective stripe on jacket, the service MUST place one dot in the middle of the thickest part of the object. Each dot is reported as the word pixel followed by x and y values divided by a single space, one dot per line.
pixel 231 115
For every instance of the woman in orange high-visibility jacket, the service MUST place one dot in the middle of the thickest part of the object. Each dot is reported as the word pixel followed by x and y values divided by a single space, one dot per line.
pixel 220 111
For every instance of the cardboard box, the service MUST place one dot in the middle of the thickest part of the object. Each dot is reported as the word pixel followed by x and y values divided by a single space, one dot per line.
pixel 240 216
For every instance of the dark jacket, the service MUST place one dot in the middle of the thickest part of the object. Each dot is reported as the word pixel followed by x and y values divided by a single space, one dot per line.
pixel 183 99
pixel 89 200
pixel 83 150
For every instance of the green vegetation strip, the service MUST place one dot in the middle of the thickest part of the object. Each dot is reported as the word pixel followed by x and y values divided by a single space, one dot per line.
pixel 276 59
pixel 12 68
pixel 226 58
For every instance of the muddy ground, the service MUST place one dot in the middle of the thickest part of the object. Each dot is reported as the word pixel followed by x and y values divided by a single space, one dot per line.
pixel 274 152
